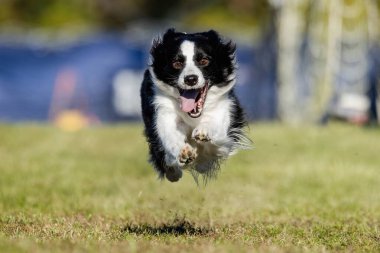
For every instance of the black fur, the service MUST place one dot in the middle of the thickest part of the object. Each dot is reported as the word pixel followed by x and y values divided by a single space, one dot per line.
pixel 157 154
pixel 238 121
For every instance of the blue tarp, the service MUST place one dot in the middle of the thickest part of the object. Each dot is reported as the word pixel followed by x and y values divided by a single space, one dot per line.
pixel 28 75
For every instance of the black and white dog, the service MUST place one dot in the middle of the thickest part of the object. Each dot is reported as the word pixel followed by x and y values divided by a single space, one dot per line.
pixel 191 114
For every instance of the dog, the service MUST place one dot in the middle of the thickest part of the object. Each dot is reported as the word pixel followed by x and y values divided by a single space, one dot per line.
pixel 191 114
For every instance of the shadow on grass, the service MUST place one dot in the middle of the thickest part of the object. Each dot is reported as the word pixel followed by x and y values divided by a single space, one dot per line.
pixel 177 227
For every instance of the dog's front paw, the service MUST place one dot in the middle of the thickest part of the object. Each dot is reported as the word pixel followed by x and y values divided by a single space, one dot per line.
pixel 187 155
pixel 200 135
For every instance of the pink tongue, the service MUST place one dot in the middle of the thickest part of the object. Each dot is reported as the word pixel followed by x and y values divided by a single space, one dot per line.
pixel 188 100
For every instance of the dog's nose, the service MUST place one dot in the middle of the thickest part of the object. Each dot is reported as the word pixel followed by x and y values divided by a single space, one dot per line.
pixel 191 80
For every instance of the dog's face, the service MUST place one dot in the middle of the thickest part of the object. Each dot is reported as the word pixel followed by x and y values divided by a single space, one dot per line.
pixel 191 64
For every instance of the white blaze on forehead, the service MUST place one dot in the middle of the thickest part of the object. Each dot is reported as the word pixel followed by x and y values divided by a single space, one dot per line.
pixel 188 50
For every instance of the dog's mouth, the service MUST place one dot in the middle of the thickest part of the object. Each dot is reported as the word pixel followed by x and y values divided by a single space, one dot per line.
pixel 192 101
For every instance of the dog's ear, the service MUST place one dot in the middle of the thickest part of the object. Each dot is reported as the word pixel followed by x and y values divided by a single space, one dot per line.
pixel 169 34
pixel 230 47
pixel 212 35
pixel 157 45
pixel 224 45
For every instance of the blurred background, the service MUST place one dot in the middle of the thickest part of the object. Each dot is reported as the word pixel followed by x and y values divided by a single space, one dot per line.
pixel 80 62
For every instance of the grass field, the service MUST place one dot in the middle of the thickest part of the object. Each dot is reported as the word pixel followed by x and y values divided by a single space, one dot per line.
pixel 300 189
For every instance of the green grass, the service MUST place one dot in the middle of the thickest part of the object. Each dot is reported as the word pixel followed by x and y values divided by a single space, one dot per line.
pixel 300 189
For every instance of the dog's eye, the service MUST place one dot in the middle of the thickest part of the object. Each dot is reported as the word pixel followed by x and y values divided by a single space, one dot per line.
pixel 177 65
pixel 204 61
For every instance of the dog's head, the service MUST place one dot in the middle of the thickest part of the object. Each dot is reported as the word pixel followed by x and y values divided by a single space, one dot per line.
pixel 188 65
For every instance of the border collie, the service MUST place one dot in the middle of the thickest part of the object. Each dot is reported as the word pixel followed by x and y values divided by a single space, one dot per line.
pixel 192 117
